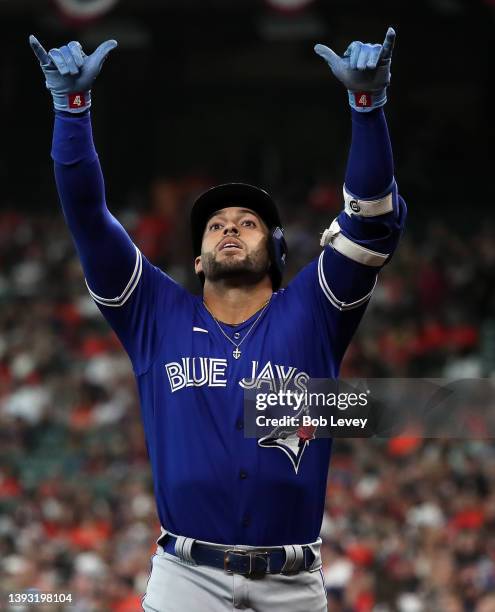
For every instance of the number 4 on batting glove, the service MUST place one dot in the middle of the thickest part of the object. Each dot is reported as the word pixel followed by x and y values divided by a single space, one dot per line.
pixel 70 73
pixel 364 69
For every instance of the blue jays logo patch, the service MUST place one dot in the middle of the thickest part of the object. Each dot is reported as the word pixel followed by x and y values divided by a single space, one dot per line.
pixel 290 440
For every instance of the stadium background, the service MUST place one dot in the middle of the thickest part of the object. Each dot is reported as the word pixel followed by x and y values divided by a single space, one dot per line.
pixel 196 93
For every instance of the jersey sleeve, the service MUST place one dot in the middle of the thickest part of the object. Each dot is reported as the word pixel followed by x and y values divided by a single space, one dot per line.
pixel 338 285
pixel 128 289
pixel 141 313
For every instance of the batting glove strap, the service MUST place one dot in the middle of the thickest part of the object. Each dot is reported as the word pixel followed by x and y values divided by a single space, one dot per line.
pixel 72 102
pixel 366 101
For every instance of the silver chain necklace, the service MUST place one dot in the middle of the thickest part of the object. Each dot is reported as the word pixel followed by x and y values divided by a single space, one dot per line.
pixel 236 353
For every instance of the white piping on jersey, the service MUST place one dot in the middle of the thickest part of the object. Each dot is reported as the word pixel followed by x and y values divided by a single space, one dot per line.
pixel 200 329
pixel 368 208
pixel 339 304
pixel 126 294
pixel 334 237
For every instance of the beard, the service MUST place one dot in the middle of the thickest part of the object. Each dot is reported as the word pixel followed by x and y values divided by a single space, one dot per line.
pixel 248 270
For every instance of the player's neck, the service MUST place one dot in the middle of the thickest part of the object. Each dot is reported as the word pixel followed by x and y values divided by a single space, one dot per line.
pixel 234 305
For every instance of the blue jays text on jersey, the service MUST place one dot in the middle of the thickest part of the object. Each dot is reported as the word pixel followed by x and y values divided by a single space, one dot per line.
pixel 211 371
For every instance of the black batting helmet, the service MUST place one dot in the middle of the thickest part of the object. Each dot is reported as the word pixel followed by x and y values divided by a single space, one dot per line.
pixel 259 201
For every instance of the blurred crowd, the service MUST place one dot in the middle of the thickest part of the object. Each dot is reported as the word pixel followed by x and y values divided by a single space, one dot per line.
pixel 409 524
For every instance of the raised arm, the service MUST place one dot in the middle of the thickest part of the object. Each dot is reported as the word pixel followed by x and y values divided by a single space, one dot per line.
pixel 366 232
pixel 362 239
pixel 127 288
pixel 107 254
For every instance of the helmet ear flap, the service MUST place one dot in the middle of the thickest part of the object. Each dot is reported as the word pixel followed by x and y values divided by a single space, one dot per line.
pixel 278 252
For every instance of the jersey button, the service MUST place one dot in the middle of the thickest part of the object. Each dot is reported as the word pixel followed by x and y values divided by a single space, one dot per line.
pixel 237 335
pixel 243 475
pixel 239 424
pixel 245 521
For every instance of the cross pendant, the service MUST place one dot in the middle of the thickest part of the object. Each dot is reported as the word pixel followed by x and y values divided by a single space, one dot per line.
pixel 237 353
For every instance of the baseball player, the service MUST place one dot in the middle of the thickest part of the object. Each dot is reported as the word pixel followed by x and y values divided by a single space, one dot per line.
pixel 240 517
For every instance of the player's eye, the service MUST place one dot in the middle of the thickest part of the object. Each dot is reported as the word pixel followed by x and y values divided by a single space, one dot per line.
pixel 214 226
pixel 248 223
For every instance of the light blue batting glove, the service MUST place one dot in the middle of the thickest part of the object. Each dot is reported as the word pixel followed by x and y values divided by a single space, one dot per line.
pixel 364 69
pixel 70 73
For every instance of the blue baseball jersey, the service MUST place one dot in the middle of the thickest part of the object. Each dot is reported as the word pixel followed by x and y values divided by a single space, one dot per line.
pixel 211 482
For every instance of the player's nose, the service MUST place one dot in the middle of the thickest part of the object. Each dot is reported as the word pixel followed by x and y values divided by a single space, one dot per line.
pixel 230 228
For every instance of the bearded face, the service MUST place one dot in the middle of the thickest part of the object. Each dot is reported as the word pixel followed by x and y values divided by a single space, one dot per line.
pixel 235 248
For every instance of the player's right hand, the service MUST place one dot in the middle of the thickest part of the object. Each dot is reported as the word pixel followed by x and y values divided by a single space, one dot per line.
pixel 70 73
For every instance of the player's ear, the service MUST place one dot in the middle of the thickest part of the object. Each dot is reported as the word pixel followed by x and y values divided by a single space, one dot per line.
pixel 198 268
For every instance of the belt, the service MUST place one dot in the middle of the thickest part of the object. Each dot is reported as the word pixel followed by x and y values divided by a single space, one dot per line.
pixel 249 563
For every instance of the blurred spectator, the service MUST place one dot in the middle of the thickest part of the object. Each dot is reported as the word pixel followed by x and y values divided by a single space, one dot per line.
pixel 409 522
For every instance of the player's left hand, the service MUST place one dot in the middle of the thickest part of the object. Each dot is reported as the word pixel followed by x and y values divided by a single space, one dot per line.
pixel 364 69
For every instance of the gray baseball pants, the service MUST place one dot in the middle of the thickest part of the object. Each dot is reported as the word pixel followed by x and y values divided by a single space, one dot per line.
pixel 177 585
